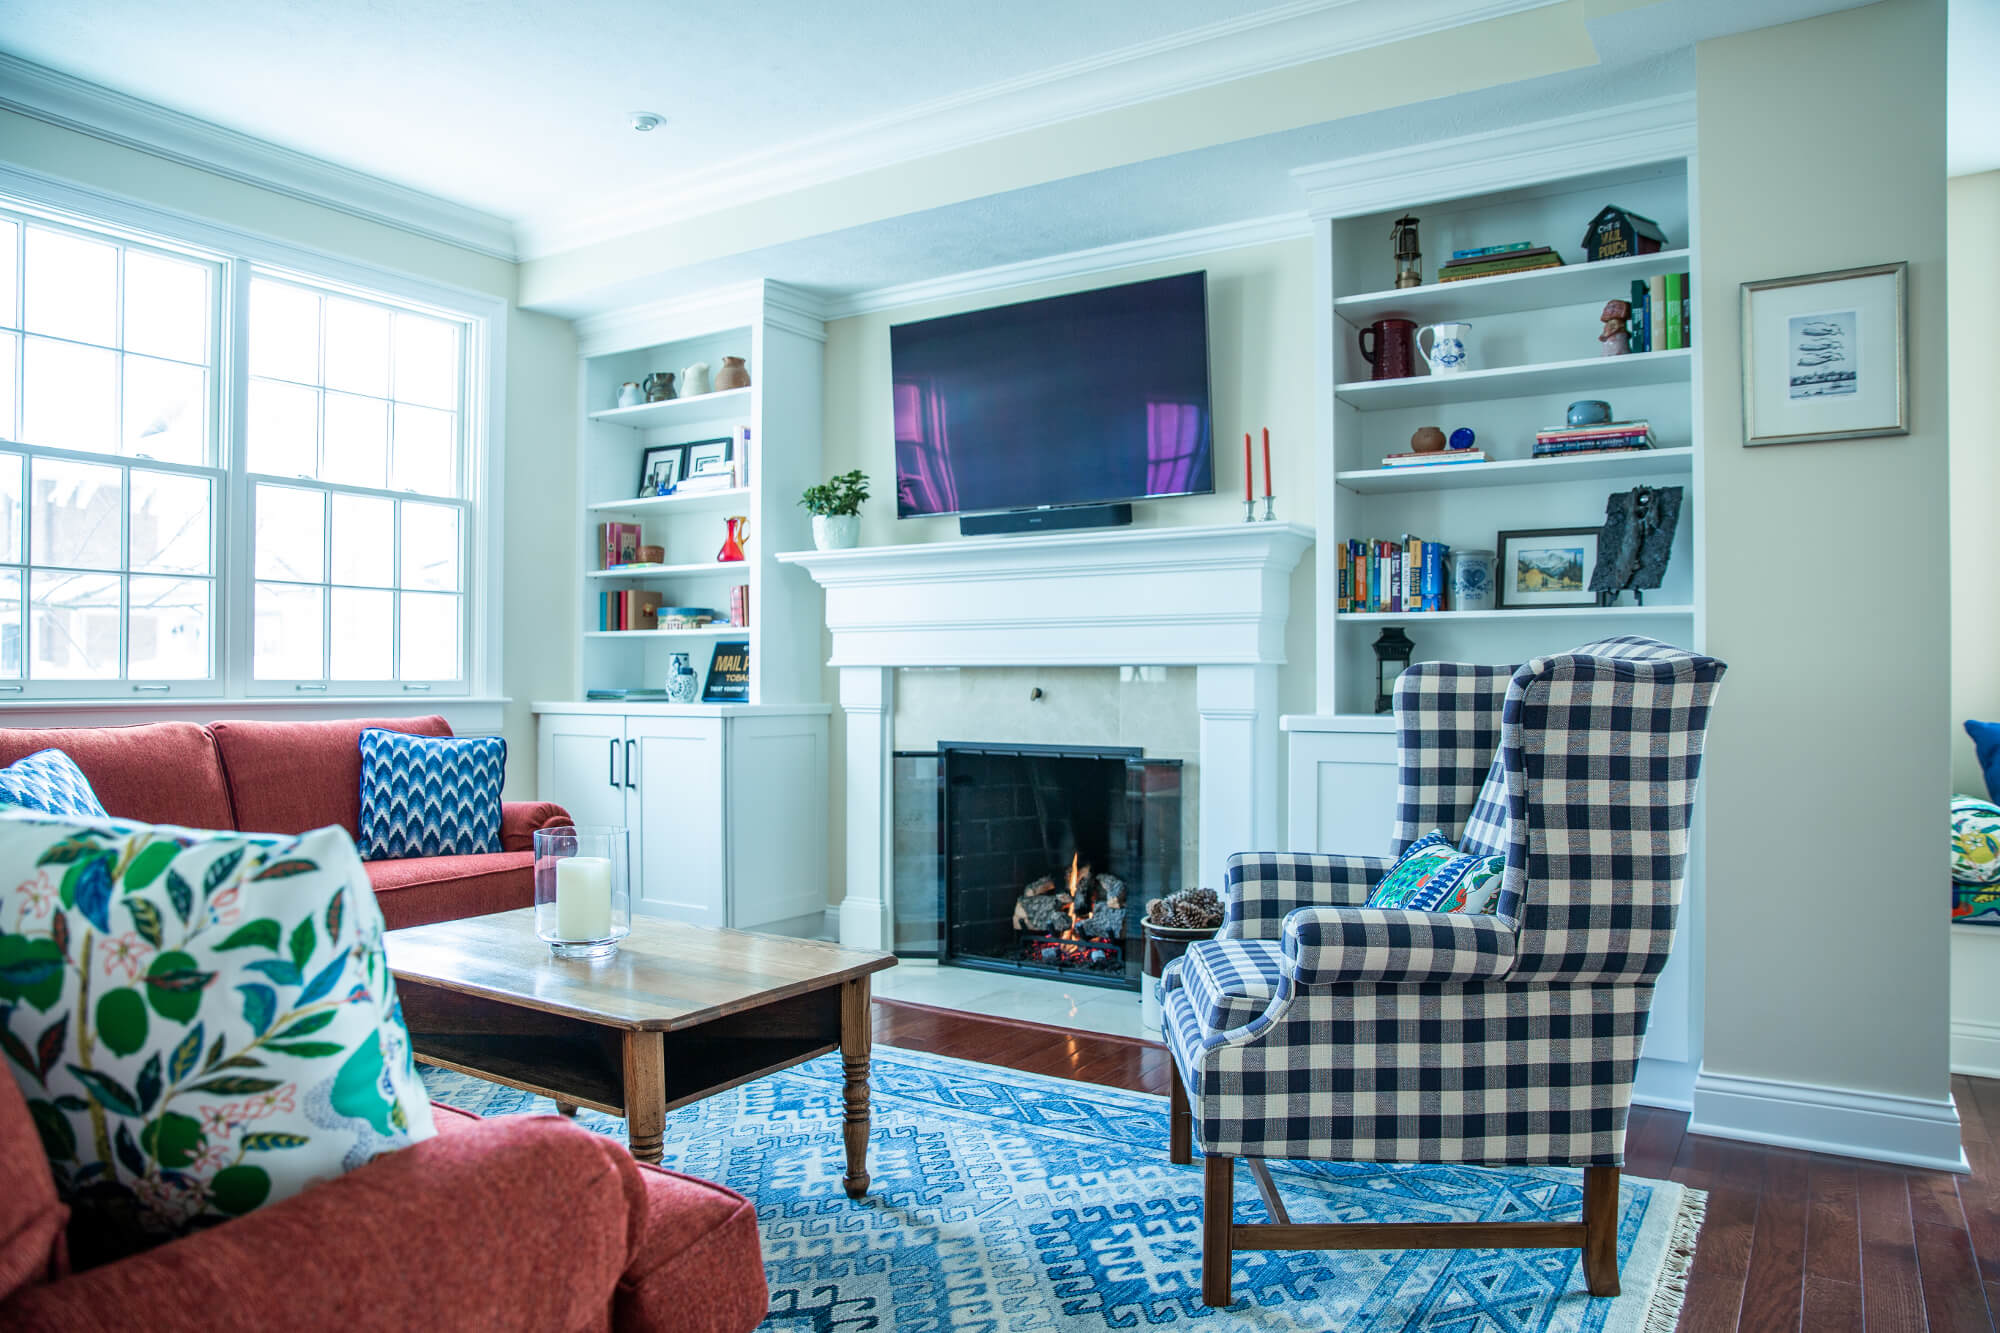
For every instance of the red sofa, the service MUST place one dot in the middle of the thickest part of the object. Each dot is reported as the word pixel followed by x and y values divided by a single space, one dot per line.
pixel 523 1223
pixel 289 777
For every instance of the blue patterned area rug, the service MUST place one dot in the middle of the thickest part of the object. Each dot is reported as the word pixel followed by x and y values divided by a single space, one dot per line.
pixel 1006 1202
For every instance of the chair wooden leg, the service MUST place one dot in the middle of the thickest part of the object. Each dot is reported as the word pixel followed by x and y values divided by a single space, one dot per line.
pixel 1600 1229
pixel 1218 1207
pixel 1180 1120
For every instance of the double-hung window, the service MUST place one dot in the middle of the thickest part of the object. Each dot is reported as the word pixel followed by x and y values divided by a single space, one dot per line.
pixel 221 477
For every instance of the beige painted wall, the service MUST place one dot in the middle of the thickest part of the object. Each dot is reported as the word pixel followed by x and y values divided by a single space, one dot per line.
pixel 540 443
pixel 1822 147
pixel 1973 233
pixel 1260 367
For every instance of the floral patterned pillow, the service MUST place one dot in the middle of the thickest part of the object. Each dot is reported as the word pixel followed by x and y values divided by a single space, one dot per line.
pixel 1433 876
pixel 201 1022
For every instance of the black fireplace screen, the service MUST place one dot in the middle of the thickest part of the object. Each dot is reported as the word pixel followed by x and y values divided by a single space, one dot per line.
pixel 1044 857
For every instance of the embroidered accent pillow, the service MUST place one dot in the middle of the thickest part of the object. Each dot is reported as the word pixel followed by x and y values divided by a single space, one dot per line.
pixel 50 782
pixel 430 795
pixel 1433 876
pixel 202 1023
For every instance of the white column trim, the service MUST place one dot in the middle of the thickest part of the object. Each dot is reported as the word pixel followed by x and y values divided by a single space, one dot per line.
pixel 1238 807
pixel 868 710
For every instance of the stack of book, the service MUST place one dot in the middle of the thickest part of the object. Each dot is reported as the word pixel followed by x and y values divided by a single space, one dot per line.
pixel 1435 457
pixel 1405 575
pixel 721 479
pixel 1492 260
pixel 1611 437
pixel 1662 313
pixel 620 696
pixel 628 610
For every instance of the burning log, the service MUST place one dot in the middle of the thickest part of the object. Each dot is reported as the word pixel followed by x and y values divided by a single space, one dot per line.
pixel 1082 905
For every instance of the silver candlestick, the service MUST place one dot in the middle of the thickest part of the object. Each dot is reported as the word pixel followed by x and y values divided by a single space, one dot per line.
pixel 1270 514
pixel 1249 511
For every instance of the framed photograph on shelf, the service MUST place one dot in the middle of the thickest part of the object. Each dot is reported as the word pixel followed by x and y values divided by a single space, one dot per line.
pixel 709 456
pixel 1825 356
pixel 660 466
pixel 1546 567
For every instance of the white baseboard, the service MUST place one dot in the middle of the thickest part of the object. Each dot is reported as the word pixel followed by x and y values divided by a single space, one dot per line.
pixel 1664 1083
pixel 1975 1048
pixel 830 925
pixel 1880 1127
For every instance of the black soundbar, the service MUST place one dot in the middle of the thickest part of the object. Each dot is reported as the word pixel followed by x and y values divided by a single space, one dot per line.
pixel 1044 520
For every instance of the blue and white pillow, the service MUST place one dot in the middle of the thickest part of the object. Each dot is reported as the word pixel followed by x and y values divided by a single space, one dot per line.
pixel 429 795
pixel 48 781
pixel 1434 876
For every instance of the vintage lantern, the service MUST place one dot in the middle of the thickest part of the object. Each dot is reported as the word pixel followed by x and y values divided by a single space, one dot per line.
pixel 1392 655
pixel 1409 268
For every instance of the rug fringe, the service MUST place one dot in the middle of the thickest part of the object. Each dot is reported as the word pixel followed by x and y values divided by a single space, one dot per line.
pixel 1663 1312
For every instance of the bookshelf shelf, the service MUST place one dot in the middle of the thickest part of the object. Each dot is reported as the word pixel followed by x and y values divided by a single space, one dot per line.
pixel 1508 293
pixel 696 569
pixel 677 503
pixel 703 409
pixel 1550 613
pixel 1517 472
pixel 1584 375
pixel 703 632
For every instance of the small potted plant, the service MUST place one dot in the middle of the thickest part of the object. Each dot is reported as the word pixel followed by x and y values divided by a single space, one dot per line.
pixel 835 506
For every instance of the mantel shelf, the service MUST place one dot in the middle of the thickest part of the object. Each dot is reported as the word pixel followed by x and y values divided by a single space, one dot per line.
pixel 1584 375
pixel 1505 293
pixel 1514 613
pixel 1516 471
pixel 722 405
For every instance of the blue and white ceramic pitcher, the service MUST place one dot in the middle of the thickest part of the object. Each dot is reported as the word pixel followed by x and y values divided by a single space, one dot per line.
pixel 1446 354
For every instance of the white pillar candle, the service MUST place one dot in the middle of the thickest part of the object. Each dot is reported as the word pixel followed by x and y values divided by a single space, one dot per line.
pixel 583 897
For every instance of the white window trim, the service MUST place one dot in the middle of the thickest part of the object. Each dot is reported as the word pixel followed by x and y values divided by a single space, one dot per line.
pixel 484 433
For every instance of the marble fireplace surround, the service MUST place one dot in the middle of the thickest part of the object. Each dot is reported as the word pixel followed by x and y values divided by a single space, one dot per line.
pixel 1212 598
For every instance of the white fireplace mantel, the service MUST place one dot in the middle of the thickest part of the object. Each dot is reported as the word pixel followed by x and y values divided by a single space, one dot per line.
pixel 1214 598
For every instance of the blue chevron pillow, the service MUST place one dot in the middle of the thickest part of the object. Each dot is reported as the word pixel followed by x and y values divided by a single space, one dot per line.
pixel 429 795
pixel 49 781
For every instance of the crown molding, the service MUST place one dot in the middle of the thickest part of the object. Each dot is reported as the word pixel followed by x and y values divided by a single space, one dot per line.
pixel 88 108
pixel 1634 134
pixel 1283 36
pixel 697 314
pixel 1074 264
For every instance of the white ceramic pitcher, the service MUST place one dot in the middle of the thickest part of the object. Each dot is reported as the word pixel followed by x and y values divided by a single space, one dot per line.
pixel 1446 355
pixel 694 380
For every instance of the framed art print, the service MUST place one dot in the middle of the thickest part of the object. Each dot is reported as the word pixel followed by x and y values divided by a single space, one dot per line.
pixel 1825 356
pixel 660 467
pixel 1542 567
pixel 706 456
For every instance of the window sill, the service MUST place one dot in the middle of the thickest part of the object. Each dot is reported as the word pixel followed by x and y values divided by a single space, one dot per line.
pixel 468 714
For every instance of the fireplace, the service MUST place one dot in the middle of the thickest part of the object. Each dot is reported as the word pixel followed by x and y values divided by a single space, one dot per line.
pixel 1047 856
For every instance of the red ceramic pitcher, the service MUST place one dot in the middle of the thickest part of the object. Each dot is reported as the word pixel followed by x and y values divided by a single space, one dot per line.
pixel 732 545
pixel 1390 357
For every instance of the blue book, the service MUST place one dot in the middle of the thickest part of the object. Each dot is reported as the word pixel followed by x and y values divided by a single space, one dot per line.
pixel 1477 252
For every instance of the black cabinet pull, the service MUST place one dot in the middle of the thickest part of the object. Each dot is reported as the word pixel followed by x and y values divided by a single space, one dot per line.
pixel 614 763
pixel 631 785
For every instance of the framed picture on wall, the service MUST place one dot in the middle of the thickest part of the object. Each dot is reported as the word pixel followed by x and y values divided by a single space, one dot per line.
pixel 709 456
pixel 1541 567
pixel 660 466
pixel 1825 356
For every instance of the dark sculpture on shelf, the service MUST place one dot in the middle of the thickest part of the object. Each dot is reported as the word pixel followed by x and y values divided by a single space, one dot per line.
pixel 1638 537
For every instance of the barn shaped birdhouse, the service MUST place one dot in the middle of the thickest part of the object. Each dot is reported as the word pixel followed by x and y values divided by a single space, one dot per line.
pixel 1617 233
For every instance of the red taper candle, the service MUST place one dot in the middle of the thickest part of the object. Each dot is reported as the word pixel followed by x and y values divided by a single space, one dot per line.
pixel 1248 471
pixel 1267 462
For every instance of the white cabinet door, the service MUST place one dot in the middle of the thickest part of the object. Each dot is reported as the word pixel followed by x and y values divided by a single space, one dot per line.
pixel 777 823
pixel 581 766
pixel 676 816
pixel 1343 792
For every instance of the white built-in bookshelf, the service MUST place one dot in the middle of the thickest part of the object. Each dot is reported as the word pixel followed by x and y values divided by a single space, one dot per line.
pixel 780 410
pixel 1533 350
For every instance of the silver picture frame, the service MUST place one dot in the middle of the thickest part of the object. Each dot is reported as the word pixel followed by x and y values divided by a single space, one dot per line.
pixel 1817 369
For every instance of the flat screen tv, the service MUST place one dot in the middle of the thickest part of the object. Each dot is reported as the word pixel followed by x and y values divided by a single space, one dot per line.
pixel 1096 398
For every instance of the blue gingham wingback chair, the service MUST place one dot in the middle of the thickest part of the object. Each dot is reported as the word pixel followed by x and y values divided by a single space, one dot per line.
pixel 1316 1027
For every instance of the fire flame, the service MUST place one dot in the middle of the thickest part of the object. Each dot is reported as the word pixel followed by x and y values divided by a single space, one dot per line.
pixel 1079 875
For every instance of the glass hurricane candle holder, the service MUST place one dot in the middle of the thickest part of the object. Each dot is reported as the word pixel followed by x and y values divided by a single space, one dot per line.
pixel 583 895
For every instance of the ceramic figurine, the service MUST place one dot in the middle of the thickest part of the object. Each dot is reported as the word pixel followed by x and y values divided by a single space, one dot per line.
pixel 1615 337
pixel 1462 438
pixel 659 386
pixel 630 394
pixel 733 375
pixel 694 380
pixel 1427 440
pixel 682 684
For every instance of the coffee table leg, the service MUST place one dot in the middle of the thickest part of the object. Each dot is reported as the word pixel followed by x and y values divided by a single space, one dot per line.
pixel 856 1035
pixel 645 1094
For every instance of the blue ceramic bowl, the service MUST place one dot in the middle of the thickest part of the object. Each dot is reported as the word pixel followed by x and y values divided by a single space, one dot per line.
pixel 1461 438
pixel 1589 412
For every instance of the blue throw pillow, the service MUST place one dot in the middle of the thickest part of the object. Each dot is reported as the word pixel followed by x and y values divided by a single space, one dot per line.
pixel 1986 743
pixel 49 781
pixel 429 795
pixel 1433 876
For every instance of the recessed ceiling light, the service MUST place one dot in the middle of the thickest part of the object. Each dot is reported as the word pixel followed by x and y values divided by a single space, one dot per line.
pixel 646 121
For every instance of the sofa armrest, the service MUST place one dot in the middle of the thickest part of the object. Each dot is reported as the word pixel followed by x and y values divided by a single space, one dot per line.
pixel 1262 888
pixel 1389 946
pixel 515 1223
pixel 520 819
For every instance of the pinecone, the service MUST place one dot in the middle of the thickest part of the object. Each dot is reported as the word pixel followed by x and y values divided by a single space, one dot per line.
pixel 1190 909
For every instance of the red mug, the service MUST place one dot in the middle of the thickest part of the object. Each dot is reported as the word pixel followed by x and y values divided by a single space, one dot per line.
pixel 1391 357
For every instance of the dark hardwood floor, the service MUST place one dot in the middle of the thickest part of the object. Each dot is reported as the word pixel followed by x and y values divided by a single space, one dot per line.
pixel 1793 1240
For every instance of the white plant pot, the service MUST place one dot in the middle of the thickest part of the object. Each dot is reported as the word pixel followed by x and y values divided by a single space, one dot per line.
pixel 836 532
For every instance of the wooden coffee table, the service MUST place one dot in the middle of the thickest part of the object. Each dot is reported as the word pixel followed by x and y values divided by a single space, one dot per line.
pixel 677 1014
